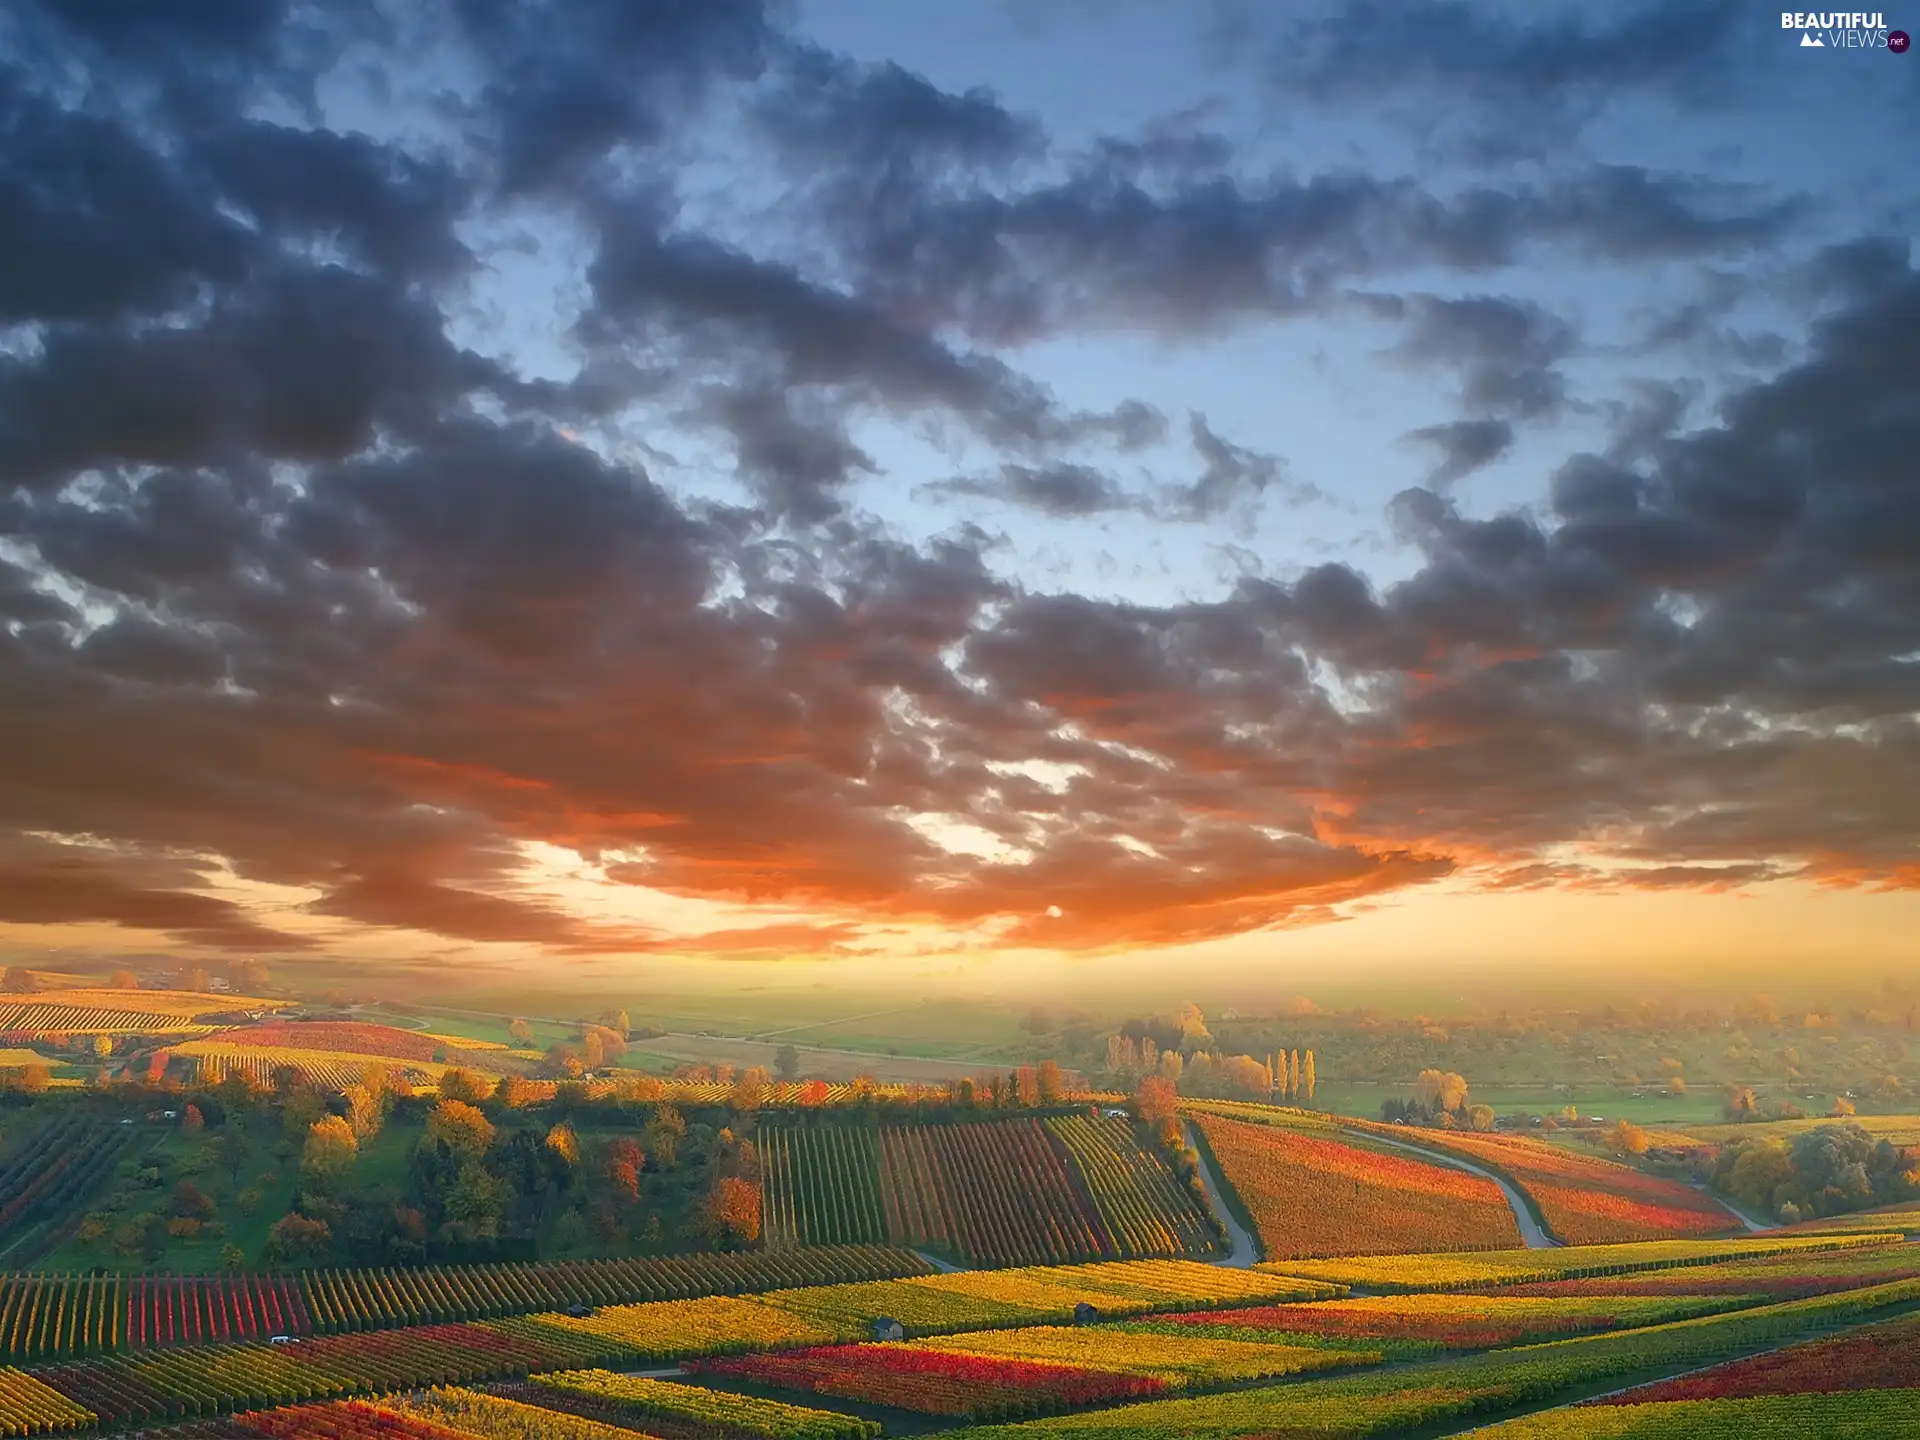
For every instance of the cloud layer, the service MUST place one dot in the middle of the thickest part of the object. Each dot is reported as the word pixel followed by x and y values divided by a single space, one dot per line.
pixel 308 579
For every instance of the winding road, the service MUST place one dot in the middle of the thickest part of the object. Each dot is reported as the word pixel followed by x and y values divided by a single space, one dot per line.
pixel 1532 1232
pixel 1243 1252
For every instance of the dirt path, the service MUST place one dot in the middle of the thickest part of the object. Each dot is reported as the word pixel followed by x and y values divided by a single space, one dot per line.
pixel 1243 1252
pixel 1532 1232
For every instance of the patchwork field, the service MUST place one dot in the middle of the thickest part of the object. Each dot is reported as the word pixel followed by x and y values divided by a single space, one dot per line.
pixel 996 1192
pixel 1174 1348
pixel 1582 1199
pixel 1312 1195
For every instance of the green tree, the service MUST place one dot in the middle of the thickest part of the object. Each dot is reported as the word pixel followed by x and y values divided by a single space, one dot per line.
pixel 786 1062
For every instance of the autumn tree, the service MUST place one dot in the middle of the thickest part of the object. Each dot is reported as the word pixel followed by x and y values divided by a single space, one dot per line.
pixel 461 1128
pixel 124 980
pixel 520 1033
pixel 1026 1086
pixel 621 1166
pixel 462 1085
pixel 514 1091
pixel 1156 1099
pixel 663 1134
pixel 1308 1078
pixel 1440 1091
pixel 192 1120
pixel 814 1093
pixel 733 1211
pixel 749 1091
pixel 1246 1076
pixel 1623 1137
pixel 366 1110
pixel 329 1152
pixel 1053 1084
pixel 564 1146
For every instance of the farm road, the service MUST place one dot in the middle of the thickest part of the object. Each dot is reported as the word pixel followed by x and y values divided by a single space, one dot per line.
pixel 1244 1251
pixel 1531 1230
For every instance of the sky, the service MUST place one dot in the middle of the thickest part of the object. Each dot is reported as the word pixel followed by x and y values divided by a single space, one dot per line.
pixel 853 489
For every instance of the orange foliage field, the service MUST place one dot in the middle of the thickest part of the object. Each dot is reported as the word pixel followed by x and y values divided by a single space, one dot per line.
pixel 1312 1197
pixel 1586 1200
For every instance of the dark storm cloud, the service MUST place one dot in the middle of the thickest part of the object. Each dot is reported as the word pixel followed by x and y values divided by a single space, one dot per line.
pixel 294 578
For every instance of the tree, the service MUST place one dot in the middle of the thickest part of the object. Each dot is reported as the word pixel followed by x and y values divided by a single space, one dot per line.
pixel 564 1146
pixel 1026 1086
pixel 749 1091
pixel 1480 1117
pixel 661 1139
pixel 103 1046
pixel 462 1085
pixel 1156 1099
pixel 1247 1076
pixel 1308 1079
pixel 622 1166
pixel 191 1119
pixel 124 980
pixel 520 1033
pixel 366 1110
pixel 461 1128
pixel 1441 1090
pixel 329 1152
pixel 733 1210
pixel 232 1257
pixel 814 1093
pixel 295 1237
pixel 786 1062
pixel 1053 1084
pixel 231 1150
pixel 1742 1104
pixel 1623 1137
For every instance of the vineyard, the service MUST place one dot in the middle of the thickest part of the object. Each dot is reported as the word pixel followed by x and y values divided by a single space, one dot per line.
pixel 1583 1199
pixel 1000 1192
pixel 1175 1347
pixel 58 1166
pixel 44 1316
pixel 1311 1196
pixel 1400 1274
pixel 38 1018
pixel 211 1061
pixel 822 1185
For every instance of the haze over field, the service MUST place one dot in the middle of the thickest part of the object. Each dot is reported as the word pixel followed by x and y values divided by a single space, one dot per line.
pixel 958 496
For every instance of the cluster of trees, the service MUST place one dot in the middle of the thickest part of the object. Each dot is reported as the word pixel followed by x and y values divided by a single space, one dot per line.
pixel 1829 1170
pixel 1440 1100
pixel 1180 1049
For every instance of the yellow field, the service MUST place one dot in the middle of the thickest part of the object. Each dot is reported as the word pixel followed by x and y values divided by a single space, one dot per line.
pixel 11 1058
pixel 94 1010
pixel 1900 1129
pixel 467 1042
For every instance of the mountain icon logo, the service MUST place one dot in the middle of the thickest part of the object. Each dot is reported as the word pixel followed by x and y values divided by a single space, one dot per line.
pixel 1812 42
